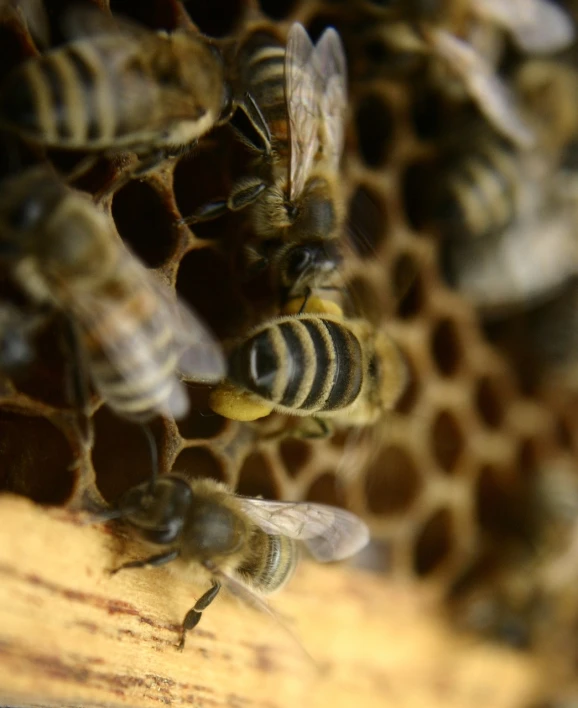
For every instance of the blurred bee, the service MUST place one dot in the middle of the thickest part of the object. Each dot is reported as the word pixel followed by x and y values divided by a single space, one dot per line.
pixel 248 545
pixel 461 33
pixel 479 193
pixel 117 86
pixel 63 252
pixel 312 364
pixel 295 197
pixel 509 215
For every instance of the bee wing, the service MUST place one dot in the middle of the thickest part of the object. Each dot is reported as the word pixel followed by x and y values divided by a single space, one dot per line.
pixel 332 69
pixel 301 94
pixel 33 14
pixel 491 94
pixel 329 533
pixel 535 25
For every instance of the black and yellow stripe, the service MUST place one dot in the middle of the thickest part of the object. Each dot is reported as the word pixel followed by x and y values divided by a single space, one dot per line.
pixel 263 59
pixel 77 97
pixel 480 194
pixel 145 340
pixel 272 561
pixel 306 362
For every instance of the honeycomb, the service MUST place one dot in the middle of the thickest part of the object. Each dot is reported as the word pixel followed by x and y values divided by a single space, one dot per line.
pixel 453 482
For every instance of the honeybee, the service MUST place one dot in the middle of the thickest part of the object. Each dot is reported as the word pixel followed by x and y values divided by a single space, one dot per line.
pixel 295 197
pixel 117 87
pixel 63 252
pixel 243 543
pixel 313 364
pixel 537 26
pixel 480 192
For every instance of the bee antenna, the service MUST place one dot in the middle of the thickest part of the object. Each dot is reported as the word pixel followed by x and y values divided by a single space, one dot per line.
pixel 154 452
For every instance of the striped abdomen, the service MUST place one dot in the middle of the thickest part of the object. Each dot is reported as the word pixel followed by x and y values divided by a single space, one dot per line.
pixel 480 195
pixel 132 355
pixel 306 364
pixel 264 77
pixel 272 563
pixel 80 96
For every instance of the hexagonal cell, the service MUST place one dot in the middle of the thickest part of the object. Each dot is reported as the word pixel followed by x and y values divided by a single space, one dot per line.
pixel 49 377
pixel 366 299
pixel 392 482
pixel 277 9
pixel 527 459
pixel 447 441
pixel 375 130
pixel 326 489
pixel 208 174
pixel 433 544
pixel 205 282
pixel 295 454
pixel 216 18
pixel 417 185
pixel 144 223
pixel 35 459
pixel 366 222
pixel 121 455
pixel 200 422
pixel 256 477
pixel 446 347
pixel 407 286
pixel 156 14
pixel 503 503
pixel 489 402
pixel 199 462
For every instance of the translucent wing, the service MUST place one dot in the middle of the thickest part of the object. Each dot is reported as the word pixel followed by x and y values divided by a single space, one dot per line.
pixel 332 69
pixel 82 21
pixel 328 532
pixel 147 335
pixel 535 25
pixel 301 95
pixel 32 14
pixel 490 93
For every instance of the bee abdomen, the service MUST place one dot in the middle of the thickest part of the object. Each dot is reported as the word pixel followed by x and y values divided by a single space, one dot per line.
pixel 273 562
pixel 145 383
pixel 302 363
pixel 266 83
pixel 480 196
pixel 68 98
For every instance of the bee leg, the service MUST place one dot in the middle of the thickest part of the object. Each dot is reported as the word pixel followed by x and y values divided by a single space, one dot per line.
pixel 193 616
pixel 81 168
pixel 151 562
pixel 322 429
pixel 243 194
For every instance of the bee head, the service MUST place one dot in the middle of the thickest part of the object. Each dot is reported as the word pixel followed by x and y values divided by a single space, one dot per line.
pixel 304 263
pixel 159 510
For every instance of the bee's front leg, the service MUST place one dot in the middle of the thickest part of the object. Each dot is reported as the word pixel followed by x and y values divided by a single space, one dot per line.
pixel 193 616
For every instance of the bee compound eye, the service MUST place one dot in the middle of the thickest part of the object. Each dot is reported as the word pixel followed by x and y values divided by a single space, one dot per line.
pixel 298 261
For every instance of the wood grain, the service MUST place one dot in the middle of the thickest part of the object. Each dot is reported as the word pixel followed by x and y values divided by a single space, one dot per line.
pixel 72 635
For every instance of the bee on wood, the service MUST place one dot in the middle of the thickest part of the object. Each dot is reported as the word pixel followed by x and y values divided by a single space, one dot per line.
pixel 314 364
pixel 462 34
pixel 63 252
pixel 295 200
pixel 115 87
pixel 248 545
